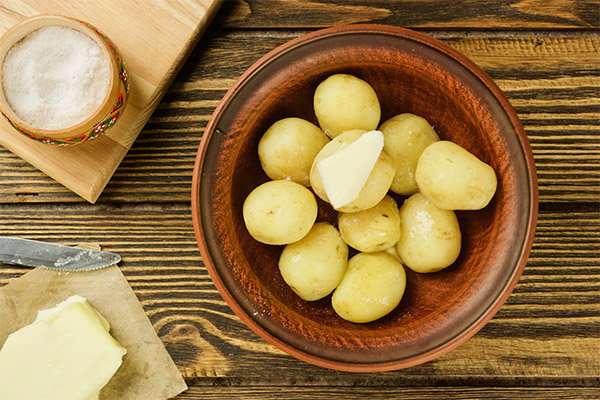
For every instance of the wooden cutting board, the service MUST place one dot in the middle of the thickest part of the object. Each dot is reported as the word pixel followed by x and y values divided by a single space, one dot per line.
pixel 155 37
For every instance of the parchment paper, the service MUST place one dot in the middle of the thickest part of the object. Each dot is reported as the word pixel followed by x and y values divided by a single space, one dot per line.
pixel 147 372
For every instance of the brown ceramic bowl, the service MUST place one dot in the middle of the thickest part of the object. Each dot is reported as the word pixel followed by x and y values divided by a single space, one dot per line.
pixel 412 73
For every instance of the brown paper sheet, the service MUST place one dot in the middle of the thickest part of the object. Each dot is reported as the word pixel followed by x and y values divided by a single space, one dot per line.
pixel 147 372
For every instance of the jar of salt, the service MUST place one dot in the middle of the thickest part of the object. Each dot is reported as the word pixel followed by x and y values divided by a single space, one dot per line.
pixel 62 81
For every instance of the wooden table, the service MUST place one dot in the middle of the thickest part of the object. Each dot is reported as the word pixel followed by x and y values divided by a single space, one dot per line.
pixel 543 343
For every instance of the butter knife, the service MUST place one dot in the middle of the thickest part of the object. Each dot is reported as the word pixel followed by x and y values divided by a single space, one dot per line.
pixel 32 253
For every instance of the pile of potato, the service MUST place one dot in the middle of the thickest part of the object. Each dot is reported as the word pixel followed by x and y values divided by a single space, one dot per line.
pixel 423 234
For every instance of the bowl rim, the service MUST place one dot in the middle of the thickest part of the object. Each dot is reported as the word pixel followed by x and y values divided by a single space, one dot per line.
pixel 525 250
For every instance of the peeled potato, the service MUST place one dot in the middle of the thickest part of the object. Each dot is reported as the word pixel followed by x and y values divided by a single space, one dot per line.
pixel 405 138
pixel 394 253
pixel 377 184
pixel 343 102
pixel 288 148
pixel 454 179
pixel 375 229
pixel 372 287
pixel 431 237
pixel 279 212
pixel 314 266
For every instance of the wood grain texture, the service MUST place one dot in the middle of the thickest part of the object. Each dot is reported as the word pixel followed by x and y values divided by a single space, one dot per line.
pixel 553 82
pixel 487 14
pixel 548 329
pixel 376 392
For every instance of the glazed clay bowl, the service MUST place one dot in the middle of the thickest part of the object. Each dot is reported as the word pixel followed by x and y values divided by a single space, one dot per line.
pixel 410 72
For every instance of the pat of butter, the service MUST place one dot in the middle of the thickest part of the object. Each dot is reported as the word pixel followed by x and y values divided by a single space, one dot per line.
pixel 345 172
pixel 67 353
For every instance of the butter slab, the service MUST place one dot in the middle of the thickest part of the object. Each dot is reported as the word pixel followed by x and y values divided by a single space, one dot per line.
pixel 67 353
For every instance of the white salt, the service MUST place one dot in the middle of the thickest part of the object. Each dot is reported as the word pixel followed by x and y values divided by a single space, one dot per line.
pixel 55 77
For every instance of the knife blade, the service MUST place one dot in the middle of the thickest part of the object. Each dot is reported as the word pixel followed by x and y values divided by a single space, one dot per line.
pixel 32 253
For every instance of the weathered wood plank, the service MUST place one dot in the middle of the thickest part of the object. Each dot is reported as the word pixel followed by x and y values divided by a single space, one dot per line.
pixel 386 393
pixel 530 14
pixel 553 81
pixel 548 329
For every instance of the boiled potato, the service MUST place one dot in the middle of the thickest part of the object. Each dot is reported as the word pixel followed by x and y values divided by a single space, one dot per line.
pixel 375 229
pixel 393 252
pixel 454 179
pixel 288 148
pixel 279 212
pixel 377 184
pixel 315 265
pixel 405 138
pixel 372 287
pixel 430 239
pixel 343 102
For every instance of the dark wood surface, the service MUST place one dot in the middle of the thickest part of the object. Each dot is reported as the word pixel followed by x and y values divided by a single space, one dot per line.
pixel 543 343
